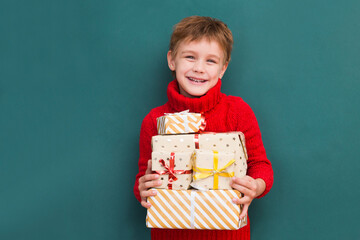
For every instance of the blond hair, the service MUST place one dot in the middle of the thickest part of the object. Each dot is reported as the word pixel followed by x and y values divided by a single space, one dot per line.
pixel 196 28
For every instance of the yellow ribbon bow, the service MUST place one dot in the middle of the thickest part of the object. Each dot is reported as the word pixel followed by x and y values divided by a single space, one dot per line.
pixel 216 172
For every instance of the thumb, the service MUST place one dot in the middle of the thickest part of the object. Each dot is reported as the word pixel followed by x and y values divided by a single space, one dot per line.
pixel 148 170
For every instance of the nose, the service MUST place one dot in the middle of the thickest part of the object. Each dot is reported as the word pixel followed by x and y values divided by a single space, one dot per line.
pixel 198 66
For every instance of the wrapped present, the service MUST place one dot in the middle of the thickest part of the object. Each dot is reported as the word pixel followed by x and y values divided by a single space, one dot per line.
pixel 191 209
pixel 212 169
pixel 227 142
pixel 231 141
pixel 181 122
pixel 175 169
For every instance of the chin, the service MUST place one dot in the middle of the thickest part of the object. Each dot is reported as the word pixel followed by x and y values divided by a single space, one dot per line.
pixel 197 93
pixel 193 91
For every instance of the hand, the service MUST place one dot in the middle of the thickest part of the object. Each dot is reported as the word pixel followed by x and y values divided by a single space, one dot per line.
pixel 250 188
pixel 147 181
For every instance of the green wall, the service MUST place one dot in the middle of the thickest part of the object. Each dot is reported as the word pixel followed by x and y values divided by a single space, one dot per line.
pixel 77 78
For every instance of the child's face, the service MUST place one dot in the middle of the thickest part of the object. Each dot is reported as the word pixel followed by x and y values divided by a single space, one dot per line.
pixel 198 66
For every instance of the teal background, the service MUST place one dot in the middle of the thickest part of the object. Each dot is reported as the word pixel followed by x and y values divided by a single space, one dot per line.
pixel 77 78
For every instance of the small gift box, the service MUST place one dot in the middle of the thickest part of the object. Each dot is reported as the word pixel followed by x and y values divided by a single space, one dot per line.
pixel 175 169
pixel 231 141
pixel 212 169
pixel 181 122
pixel 191 209
pixel 227 142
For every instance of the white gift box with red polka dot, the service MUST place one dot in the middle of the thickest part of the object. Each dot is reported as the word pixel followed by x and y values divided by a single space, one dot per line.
pixel 221 142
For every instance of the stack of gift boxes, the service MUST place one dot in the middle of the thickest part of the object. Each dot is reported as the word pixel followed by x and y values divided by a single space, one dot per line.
pixel 195 169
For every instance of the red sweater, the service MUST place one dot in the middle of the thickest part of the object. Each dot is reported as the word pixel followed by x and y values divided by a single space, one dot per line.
pixel 223 114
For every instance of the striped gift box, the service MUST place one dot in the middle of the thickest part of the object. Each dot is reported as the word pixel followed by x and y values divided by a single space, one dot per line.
pixel 182 122
pixel 191 209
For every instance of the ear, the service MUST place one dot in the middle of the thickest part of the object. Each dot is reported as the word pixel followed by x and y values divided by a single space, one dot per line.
pixel 223 69
pixel 170 60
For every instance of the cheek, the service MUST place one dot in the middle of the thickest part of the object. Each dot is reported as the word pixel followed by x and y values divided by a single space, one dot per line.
pixel 184 67
pixel 215 72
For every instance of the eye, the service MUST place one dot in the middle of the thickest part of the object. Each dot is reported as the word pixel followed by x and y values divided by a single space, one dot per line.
pixel 190 57
pixel 211 61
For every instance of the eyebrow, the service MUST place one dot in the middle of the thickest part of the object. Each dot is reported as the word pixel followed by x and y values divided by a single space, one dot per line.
pixel 190 51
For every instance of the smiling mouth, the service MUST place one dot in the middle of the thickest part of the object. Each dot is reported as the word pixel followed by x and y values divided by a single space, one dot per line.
pixel 196 80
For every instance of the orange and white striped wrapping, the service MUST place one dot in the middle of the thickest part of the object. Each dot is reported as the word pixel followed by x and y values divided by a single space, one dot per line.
pixel 191 209
pixel 182 122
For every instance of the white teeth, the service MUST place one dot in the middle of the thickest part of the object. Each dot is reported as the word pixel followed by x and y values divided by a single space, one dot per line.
pixel 196 80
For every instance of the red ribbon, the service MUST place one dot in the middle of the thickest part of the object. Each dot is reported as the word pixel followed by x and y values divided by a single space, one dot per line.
pixel 170 170
pixel 203 123
pixel 196 140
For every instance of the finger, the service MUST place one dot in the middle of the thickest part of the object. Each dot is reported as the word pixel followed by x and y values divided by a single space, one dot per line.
pixel 148 170
pixel 145 185
pixel 248 178
pixel 145 204
pixel 244 211
pixel 152 184
pixel 243 200
pixel 149 177
pixel 149 193
pixel 246 181
pixel 242 189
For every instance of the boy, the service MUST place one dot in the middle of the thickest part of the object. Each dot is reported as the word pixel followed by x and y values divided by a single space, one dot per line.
pixel 200 49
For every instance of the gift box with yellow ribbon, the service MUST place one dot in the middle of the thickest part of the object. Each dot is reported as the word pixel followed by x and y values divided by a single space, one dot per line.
pixel 175 169
pixel 228 142
pixel 181 122
pixel 212 169
pixel 191 209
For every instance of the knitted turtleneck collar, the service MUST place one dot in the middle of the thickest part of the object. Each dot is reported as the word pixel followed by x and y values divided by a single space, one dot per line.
pixel 204 103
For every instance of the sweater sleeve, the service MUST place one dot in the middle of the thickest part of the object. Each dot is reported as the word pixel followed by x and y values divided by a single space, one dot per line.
pixel 148 129
pixel 259 165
